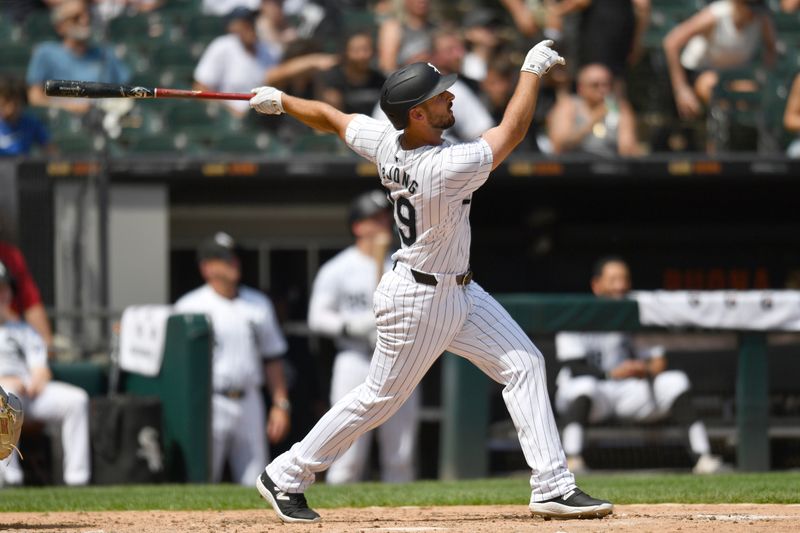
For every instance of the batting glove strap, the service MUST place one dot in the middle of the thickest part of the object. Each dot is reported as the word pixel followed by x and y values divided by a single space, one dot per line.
pixel 541 58
pixel 267 100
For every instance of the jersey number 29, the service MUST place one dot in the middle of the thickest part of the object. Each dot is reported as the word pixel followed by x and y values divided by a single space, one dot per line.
pixel 406 217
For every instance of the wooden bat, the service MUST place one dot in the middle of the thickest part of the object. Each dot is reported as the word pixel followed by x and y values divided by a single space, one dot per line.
pixel 93 89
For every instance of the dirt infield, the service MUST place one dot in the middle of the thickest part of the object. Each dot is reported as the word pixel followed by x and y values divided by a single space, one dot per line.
pixel 487 519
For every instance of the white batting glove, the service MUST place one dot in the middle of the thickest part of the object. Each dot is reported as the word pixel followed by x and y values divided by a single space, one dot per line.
pixel 541 58
pixel 267 100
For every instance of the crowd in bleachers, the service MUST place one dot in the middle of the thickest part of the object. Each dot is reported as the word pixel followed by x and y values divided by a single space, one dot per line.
pixel 683 75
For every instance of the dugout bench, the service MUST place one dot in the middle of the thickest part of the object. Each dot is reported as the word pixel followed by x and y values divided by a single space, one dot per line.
pixel 183 387
pixel 465 412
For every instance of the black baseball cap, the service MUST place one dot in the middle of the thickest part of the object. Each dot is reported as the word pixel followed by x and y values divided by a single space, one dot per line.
pixel 240 13
pixel 5 275
pixel 219 246
pixel 368 205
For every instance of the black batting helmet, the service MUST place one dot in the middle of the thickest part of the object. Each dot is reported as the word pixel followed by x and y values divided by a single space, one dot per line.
pixel 368 204
pixel 409 87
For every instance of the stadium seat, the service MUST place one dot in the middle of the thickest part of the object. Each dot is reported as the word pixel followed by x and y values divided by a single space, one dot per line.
pixel 165 143
pixel 177 76
pixel 319 144
pixel 735 113
pixel 204 27
pixel 9 32
pixel 358 20
pixel 259 143
pixel 38 27
pixel 80 144
pixel 15 59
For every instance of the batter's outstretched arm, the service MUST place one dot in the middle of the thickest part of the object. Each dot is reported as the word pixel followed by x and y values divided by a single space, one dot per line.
pixel 504 137
pixel 313 113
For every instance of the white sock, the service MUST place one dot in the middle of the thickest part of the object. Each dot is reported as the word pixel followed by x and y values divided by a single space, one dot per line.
pixel 573 439
pixel 698 439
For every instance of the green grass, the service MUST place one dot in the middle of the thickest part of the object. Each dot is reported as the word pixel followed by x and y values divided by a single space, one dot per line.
pixel 619 488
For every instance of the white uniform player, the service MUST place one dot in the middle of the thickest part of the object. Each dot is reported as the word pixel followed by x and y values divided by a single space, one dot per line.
pixel 246 336
pixel 427 304
pixel 24 373
pixel 603 376
pixel 341 307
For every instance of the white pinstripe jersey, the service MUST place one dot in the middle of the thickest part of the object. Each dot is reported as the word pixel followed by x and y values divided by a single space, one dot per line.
pixel 431 188
pixel 21 349
pixel 245 331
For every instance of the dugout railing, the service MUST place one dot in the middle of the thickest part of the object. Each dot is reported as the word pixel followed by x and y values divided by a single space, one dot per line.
pixel 465 412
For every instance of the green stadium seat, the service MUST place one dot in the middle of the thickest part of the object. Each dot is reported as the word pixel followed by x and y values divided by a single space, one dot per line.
pixel 37 27
pixel 124 28
pixel 80 144
pixel 204 27
pixel 258 143
pixel 358 20
pixel 9 31
pixel 787 23
pixel 15 60
pixel 172 55
pixel 165 143
pixel 735 112
pixel 180 7
pixel 319 144
pixel 177 77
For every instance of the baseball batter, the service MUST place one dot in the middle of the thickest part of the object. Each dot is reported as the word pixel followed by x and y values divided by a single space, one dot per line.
pixel 604 377
pixel 341 307
pixel 428 303
pixel 248 345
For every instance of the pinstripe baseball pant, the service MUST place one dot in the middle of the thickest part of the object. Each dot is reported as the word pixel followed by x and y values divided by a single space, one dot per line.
pixel 416 324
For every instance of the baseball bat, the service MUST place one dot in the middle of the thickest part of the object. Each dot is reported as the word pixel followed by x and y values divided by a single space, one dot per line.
pixel 93 89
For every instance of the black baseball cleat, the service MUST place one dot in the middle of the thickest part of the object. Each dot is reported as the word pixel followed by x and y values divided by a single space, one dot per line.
pixel 290 507
pixel 574 504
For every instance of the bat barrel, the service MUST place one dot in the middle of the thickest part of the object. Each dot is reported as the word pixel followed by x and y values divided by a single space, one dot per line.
pixel 93 89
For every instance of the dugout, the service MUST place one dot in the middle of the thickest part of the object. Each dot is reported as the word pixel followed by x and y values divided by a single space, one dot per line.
pixel 682 222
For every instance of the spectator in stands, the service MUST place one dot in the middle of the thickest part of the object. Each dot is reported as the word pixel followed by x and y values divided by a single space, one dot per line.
pixel 109 9
pixel 497 88
pixel 610 32
pixel 791 117
pixel 483 38
pixel 407 37
pixel 595 120
pixel 248 350
pixel 74 58
pixel 272 26
pixel 25 373
pixel 723 35
pixel 341 308
pixel 236 61
pixel 790 6
pixel 20 132
pixel 353 86
pixel 27 303
pixel 222 8
pixel 603 376
pixel 472 117
pixel 532 17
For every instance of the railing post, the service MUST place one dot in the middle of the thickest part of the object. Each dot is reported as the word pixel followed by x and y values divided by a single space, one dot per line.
pixel 752 403
pixel 465 419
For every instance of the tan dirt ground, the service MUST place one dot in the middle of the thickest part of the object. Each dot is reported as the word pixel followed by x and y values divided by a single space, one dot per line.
pixel 661 518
